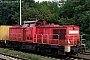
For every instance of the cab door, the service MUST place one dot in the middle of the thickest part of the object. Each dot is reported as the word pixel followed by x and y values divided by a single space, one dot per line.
pixel 29 34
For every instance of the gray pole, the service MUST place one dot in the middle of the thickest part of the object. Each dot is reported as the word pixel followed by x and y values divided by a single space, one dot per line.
pixel 20 13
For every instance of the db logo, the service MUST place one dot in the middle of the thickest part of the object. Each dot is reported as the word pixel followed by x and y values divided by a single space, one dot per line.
pixel 29 32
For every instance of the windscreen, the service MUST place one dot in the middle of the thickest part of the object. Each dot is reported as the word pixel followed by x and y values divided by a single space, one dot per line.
pixel 28 25
pixel 25 25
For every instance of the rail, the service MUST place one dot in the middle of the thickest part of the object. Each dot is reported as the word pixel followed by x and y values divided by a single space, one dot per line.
pixel 11 57
pixel 83 56
pixel 71 39
pixel 2 59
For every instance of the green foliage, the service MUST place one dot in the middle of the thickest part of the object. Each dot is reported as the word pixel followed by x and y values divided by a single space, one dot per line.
pixel 78 12
pixel 30 11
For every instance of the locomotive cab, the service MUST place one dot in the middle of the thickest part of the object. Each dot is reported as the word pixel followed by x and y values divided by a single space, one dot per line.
pixel 30 30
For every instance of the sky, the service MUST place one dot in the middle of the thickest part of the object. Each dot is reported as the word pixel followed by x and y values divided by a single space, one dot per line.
pixel 45 0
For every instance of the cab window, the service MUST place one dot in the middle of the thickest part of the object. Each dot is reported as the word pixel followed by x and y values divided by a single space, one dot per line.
pixel 31 24
pixel 25 25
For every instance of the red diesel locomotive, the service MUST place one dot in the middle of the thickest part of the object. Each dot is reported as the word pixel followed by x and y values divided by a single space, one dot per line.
pixel 44 37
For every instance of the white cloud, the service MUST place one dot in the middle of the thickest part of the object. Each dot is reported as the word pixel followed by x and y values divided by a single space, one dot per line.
pixel 36 0
pixel 42 0
pixel 47 0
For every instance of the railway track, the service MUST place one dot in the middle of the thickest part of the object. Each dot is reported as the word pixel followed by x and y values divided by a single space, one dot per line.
pixel 2 59
pixel 85 55
pixel 80 56
pixel 12 57
pixel 76 58
pixel 4 56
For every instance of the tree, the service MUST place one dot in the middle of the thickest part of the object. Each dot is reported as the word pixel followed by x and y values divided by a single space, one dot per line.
pixel 7 10
pixel 77 12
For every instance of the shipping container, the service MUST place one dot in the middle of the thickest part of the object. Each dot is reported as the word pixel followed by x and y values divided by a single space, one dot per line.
pixel 4 32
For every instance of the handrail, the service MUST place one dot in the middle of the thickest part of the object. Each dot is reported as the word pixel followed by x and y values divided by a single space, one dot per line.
pixel 38 38
pixel 54 34
pixel 47 37
pixel 73 38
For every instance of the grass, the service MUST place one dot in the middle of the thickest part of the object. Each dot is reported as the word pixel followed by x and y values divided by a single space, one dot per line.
pixel 89 49
pixel 23 55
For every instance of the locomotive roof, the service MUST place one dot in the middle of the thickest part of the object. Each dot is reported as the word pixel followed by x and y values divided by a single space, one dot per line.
pixel 30 21
pixel 55 26
pixel 44 23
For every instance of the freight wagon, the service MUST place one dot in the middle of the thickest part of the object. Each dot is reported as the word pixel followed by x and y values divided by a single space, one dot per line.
pixel 4 34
